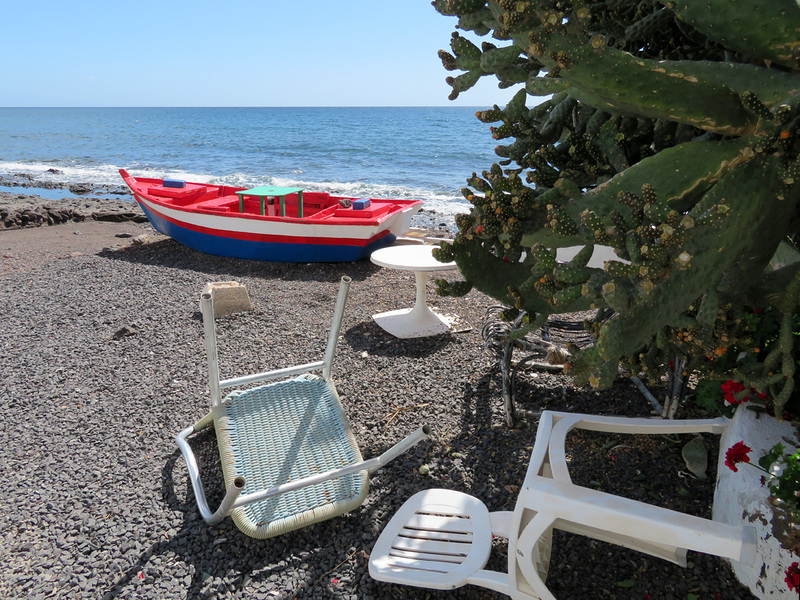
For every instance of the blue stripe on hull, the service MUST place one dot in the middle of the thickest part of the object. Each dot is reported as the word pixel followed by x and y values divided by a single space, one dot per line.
pixel 269 251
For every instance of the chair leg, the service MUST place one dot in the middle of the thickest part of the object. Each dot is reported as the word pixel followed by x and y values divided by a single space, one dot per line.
pixel 231 494
pixel 557 425
pixel 527 555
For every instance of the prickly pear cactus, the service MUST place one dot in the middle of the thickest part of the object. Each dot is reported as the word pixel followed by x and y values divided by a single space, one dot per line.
pixel 668 135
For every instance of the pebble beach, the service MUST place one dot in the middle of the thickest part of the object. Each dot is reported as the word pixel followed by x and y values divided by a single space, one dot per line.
pixel 101 343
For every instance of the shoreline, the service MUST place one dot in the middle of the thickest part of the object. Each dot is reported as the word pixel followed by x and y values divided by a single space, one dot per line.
pixel 26 180
pixel 21 210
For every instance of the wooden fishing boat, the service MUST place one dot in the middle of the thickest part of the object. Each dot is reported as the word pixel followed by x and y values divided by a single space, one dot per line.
pixel 271 223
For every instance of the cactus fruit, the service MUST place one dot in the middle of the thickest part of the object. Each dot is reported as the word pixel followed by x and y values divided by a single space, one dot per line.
pixel 671 136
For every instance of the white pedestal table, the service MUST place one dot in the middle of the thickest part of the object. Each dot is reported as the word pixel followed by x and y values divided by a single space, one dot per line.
pixel 419 321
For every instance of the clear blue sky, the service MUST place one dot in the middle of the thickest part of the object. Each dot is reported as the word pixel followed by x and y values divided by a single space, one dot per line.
pixel 229 53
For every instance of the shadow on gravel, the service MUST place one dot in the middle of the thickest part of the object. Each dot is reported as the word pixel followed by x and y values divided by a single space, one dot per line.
pixel 478 398
pixel 183 544
pixel 196 543
pixel 169 253
pixel 369 337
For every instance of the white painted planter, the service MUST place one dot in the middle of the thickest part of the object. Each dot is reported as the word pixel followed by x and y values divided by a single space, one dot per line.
pixel 740 498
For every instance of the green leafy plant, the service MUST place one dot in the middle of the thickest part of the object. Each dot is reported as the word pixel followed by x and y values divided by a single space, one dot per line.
pixel 708 395
pixel 784 477
pixel 668 136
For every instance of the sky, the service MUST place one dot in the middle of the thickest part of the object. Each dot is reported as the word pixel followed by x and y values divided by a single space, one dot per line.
pixel 230 53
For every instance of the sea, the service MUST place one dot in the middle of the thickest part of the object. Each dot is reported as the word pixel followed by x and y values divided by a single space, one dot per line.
pixel 424 153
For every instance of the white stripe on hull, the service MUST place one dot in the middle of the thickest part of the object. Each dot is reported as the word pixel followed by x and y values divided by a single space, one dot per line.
pixel 397 224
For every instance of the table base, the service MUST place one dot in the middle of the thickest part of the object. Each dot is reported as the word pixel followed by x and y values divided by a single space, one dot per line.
pixel 413 322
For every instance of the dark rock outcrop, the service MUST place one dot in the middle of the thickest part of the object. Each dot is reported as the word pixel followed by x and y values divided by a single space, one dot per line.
pixel 18 211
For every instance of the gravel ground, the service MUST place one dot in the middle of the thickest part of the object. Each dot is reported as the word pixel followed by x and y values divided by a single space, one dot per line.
pixel 104 364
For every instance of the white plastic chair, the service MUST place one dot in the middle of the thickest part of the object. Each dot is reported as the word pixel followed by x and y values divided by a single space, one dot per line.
pixel 289 457
pixel 441 539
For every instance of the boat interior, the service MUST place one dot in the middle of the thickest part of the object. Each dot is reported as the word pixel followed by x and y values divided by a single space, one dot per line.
pixel 223 199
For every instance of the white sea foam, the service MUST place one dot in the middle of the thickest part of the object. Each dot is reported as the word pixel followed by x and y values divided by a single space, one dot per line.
pixel 108 174
pixel 95 174
pixel 57 172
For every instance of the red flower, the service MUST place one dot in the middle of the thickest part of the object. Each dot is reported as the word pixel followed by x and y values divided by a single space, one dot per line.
pixel 793 577
pixel 736 454
pixel 730 389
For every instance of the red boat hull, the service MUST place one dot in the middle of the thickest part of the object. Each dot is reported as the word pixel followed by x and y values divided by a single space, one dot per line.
pixel 208 219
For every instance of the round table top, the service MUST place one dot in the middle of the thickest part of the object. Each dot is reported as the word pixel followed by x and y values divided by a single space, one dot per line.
pixel 410 257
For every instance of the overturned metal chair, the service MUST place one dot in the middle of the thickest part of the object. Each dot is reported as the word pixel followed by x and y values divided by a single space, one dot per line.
pixel 547 348
pixel 289 457
pixel 441 539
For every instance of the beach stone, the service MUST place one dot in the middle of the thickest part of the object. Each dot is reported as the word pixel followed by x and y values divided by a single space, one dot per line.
pixel 141 239
pixel 80 188
pixel 228 297
pixel 117 216
pixel 19 210
pixel 125 331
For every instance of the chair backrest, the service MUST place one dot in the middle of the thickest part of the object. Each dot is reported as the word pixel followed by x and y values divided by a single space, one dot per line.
pixel 210 339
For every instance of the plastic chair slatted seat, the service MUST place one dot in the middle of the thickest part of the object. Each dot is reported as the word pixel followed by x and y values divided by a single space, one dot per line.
pixel 548 500
pixel 441 539
pixel 289 457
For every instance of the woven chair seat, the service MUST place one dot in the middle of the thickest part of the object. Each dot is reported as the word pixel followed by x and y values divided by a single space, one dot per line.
pixel 282 432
